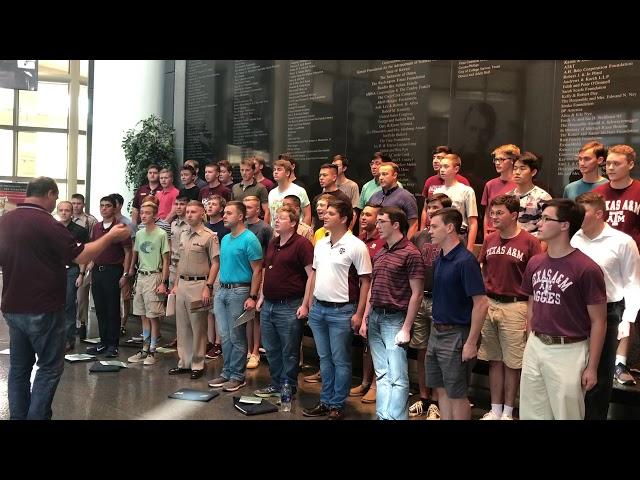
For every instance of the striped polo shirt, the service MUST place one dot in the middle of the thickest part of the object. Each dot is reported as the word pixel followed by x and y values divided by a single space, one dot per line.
pixel 392 269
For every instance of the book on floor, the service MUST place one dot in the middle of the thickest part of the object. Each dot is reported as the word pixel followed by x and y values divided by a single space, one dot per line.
pixel 79 357
pixel 191 394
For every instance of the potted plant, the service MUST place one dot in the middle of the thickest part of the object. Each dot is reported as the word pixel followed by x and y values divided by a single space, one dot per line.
pixel 150 141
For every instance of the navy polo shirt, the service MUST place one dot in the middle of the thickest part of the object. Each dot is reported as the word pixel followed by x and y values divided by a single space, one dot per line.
pixel 456 279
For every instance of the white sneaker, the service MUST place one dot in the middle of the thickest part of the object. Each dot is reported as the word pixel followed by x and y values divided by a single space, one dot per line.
pixel 506 417
pixel 433 413
pixel 254 361
pixel 138 357
pixel 151 359
pixel 416 409
pixel 490 416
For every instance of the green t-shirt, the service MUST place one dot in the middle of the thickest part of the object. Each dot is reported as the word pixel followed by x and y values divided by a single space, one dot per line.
pixel 150 248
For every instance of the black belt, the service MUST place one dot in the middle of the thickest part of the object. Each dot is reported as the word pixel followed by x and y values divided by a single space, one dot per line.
pixel 428 294
pixel 102 268
pixel 557 340
pixel 387 311
pixel 234 285
pixel 284 300
pixel 142 272
pixel 185 277
pixel 332 304
pixel 506 299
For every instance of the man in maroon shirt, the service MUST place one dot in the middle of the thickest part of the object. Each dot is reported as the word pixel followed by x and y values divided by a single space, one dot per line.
pixel 110 275
pixel 503 257
pixel 503 158
pixel 567 313
pixel 34 250
pixel 622 198
pixel 153 176
pixel 259 162
pixel 391 311
pixel 370 235
pixel 214 187
pixel 283 301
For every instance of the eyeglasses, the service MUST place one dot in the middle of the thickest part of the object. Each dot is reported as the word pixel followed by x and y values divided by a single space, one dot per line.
pixel 544 218
pixel 383 221
pixel 500 160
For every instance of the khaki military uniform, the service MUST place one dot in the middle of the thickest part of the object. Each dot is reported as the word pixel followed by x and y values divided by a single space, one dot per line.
pixel 197 251
pixel 178 226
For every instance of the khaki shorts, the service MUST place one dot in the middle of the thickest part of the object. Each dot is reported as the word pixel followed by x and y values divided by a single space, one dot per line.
pixel 504 333
pixel 422 325
pixel 146 301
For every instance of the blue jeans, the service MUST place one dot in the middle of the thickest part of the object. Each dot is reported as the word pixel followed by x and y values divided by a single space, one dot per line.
pixel 70 309
pixel 281 337
pixel 31 334
pixel 390 364
pixel 331 327
pixel 228 305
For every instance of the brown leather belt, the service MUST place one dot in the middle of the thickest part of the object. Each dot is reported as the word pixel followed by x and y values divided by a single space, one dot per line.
pixel 443 327
pixel 506 299
pixel 557 340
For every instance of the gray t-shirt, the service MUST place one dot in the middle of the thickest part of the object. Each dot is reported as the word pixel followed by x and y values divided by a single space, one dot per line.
pixel 263 232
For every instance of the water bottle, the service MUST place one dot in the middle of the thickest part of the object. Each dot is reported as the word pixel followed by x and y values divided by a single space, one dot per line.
pixel 285 397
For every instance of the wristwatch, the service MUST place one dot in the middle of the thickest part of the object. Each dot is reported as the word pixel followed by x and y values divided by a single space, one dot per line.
pixel 81 273
pixel 209 286
pixel 166 282
pixel 254 297
pixel 125 274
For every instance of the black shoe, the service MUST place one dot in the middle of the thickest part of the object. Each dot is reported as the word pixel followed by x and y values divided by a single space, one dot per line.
pixel 112 353
pixel 97 350
pixel 320 410
pixel 195 374
pixel 179 371
pixel 81 331
pixel 336 414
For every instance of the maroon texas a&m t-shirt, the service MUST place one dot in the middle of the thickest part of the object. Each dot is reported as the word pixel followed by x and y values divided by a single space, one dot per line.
pixel 504 262
pixel 623 208
pixel 561 289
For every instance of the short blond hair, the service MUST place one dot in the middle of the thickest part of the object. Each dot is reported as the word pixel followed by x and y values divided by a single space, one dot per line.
pixel 626 150
pixel 511 150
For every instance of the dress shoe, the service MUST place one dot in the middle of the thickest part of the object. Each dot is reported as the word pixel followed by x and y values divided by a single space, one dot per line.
pixel 196 374
pixel 315 378
pixel 320 410
pixel 179 371
pixel 336 414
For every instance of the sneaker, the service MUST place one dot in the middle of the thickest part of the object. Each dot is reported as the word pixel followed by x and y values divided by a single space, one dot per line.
pixel 262 351
pixel 254 361
pixel 623 376
pixel 138 357
pixel 318 410
pixel 490 415
pixel 433 413
pixel 315 378
pixel 151 359
pixel 370 396
pixel 358 391
pixel 267 392
pixel 417 409
pixel 248 356
pixel 506 417
pixel 112 353
pixel 218 382
pixel 123 331
pixel 97 350
pixel 233 385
